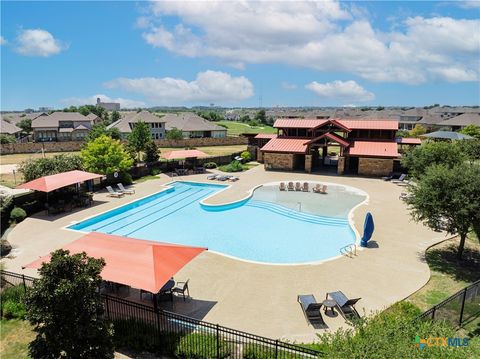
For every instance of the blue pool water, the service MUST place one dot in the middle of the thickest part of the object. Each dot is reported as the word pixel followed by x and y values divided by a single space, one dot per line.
pixel 270 227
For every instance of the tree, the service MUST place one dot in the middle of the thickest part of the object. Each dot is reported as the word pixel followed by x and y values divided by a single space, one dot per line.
pixel 261 116
pixel 139 137
pixel 245 118
pixel 105 155
pixel 5 139
pixel 25 125
pixel 418 130
pixel 471 130
pixel 115 116
pixel 35 168
pixel 174 134
pixel 448 198
pixel 66 311
pixel 418 159
pixel 100 129
pixel 402 133
pixel 151 152
pixel 471 149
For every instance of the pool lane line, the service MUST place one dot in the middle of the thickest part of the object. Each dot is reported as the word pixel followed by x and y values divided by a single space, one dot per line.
pixel 140 210
pixel 151 214
pixel 166 215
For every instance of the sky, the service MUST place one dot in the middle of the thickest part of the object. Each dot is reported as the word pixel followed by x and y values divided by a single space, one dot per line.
pixel 239 53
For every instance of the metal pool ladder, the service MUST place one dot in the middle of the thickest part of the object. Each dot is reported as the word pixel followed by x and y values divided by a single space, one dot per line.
pixel 349 250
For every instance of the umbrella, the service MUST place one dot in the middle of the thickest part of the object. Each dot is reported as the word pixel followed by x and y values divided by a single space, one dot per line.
pixel 368 228
pixel 184 154
pixel 448 135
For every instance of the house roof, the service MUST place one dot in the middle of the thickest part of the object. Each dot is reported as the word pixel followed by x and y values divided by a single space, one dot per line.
pixel 370 124
pixel 8 128
pixel 91 116
pixel 462 120
pixel 54 118
pixel 448 135
pixel 59 180
pixel 298 122
pixel 352 124
pixel 266 135
pixel 290 145
pixel 408 141
pixel 331 136
pixel 81 127
pixel 123 124
pixel 189 121
pixel 373 148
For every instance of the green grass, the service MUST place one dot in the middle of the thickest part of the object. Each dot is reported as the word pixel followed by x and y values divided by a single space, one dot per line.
pixel 146 178
pixel 236 128
pixel 15 335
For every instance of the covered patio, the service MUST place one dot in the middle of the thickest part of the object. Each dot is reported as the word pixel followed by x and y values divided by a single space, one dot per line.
pixel 188 160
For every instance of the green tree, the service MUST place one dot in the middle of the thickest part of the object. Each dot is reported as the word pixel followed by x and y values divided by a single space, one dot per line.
pixel 471 149
pixel 151 152
pixel 84 110
pixel 25 125
pixel 35 168
pixel 115 116
pixel 5 139
pixel 100 129
pixel 261 116
pixel 66 311
pixel 245 118
pixel 418 159
pixel 402 133
pixel 418 130
pixel 174 134
pixel 448 198
pixel 139 137
pixel 105 155
pixel 471 130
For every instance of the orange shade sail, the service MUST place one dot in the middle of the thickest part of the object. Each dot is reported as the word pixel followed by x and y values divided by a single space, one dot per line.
pixel 137 263
pixel 59 180
pixel 184 154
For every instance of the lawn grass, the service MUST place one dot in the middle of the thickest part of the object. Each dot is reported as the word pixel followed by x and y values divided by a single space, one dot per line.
pixel 236 128
pixel 20 157
pixel 448 275
pixel 10 180
pixel 15 335
pixel 211 150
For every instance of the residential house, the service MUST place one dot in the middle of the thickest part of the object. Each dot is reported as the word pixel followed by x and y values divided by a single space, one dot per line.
pixel 7 128
pixel 458 122
pixel 193 126
pixel 365 147
pixel 409 118
pixel 129 119
pixel 62 126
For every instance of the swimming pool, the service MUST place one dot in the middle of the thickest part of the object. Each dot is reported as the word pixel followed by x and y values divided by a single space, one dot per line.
pixel 270 227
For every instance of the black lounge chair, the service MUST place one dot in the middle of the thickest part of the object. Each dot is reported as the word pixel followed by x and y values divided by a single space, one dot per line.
pixel 344 305
pixel 311 309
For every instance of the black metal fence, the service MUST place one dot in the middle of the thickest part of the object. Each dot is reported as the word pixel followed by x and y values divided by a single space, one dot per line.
pixel 141 327
pixel 457 309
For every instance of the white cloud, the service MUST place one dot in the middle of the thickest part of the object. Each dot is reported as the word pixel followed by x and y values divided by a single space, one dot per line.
pixel 3 41
pixel 209 86
pixel 38 42
pixel 341 90
pixel 288 86
pixel 468 4
pixel 320 35
pixel 92 100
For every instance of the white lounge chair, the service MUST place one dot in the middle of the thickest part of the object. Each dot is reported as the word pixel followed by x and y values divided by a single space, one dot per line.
pixel 112 193
pixel 124 190
pixel 305 187
pixel 298 186
pixel 212 177
pixel 324 189
pixel 290 186
pixel 317 188
pixel 400 179
pixel 282 186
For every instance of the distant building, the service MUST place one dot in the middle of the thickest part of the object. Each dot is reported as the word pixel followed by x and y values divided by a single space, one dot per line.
pixel 129 119
pixel 45 109
pixel 461 121
pixel 62 126
pixel 109 106
pixel 193 126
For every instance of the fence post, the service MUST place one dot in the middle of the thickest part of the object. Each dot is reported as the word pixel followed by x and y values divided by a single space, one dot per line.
pixel 433 312
pixel 463 306
pixel 276 349
pixel 218 342
pixel 24 284
pixel 107 306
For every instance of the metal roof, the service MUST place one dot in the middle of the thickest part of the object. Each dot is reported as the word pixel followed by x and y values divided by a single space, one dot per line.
pixel 290 145
pixel 331 136
pixel 370 124
pixel 266 135
pixel 408 141
pixel 373 149
pixel 360 124
pixel 448 135
pixel 298 123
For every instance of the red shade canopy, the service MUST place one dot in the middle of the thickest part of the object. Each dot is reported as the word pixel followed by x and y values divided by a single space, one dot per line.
pixel 137 263
pixel 183 154
pixel 53 182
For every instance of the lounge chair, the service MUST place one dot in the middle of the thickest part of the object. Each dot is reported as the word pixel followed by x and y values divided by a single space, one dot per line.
pixel 344 305
pixel 400 179
pixel 298 186
pixel 282 186
pixel 233 179
pixel 112 193
pixel 324 189
pixel 305 187
pixel 310 307
pixel 317 188
pixel 222 178
pixel 290 186
pixel 181 288
pixel 212 177
pixel 124 190
pixel 388 178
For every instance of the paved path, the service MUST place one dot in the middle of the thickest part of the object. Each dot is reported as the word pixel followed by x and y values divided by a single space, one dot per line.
pixel 261 299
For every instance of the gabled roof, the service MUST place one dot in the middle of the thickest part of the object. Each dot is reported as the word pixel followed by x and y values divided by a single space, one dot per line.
pixel 8 128
pixel 463 120
pixel 54 118
pixel 266 135
pixel 360 124
pixel 331 136
pixel 408 141
pixel 298 123
pixel 142 116
pixel 189 121
pixel 374 149
pixel 370 124
pixel 289 145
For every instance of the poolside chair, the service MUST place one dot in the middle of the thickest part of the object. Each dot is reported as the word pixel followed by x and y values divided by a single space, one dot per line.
pixel 233 179
pixel 124 190
pixel 400 179
pixel 212 177
pixel 317 188
pixel 344 305
pixel 222 178
pixel 305 187
pixel 282 186
pixel 112 193
pixel 311 308
pixel 290 186
pixel 324 189
pixel 181 288
pixel 298 186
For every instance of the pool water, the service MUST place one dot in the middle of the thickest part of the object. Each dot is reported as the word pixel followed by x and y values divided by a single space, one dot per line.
pixel 270 227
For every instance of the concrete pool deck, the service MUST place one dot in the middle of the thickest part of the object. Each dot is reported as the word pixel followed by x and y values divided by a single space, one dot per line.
pixel 262 299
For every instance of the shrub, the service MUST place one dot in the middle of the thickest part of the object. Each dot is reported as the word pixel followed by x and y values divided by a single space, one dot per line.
pixel 5 247
pixel 210 165
pixel 6 139
pixel 15 294
pixel 247 157
pixel 201 346
pixel 151 152
pixel 155 171
pixel 36 168
pixel 18 214
pixel 234 166
pixel 13 310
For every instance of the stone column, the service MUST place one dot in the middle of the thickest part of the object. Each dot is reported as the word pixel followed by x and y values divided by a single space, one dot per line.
pixel 308 163
pixel 341 165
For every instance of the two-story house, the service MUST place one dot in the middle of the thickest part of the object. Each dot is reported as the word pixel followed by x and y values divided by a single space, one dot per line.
pixel 129 119
pixel 63 126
